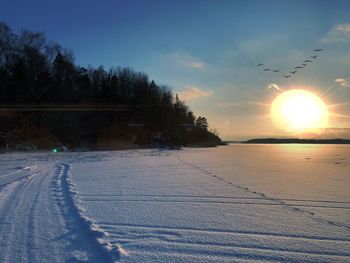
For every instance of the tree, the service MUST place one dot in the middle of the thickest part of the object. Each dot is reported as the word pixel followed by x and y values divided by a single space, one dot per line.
pixel 202 123
pixel 35 71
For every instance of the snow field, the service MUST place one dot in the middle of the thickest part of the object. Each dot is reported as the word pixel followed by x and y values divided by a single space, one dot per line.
pixel 246 203
pixel 187 206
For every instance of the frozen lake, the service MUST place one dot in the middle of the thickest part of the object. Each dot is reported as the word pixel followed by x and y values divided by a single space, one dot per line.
pixel 226 204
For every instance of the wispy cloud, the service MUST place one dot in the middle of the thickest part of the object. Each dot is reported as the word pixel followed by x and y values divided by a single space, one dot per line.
pixel 339 129
pixel 342 82
pixel 339 33
pixel 187 60
pixel 196 64
pixel 191 92
pixel 228 104
pixel 343 28
pixel 274 86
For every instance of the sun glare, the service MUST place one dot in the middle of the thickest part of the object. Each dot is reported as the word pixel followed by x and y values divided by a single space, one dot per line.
pixel 299 112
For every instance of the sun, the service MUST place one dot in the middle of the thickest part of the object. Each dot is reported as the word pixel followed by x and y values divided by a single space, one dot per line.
pixel 299 112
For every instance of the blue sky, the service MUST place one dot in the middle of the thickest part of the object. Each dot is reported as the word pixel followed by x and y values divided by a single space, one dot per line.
pixel 208 50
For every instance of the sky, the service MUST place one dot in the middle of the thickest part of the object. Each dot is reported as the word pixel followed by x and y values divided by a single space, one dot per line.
pixel 207 51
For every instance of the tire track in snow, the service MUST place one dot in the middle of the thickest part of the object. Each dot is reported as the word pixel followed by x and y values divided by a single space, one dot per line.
pixel 262 195
pixel 24 230
pixel 73 211
pixel 34 226
pixel 9 178
pixel 29 167
pixel 32 242
pixel 12 211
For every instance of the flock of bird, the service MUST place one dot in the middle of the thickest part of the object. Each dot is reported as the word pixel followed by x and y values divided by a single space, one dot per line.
pixel 296 68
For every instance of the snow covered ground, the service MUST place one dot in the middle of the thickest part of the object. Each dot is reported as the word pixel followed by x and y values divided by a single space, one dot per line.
pixel 227 204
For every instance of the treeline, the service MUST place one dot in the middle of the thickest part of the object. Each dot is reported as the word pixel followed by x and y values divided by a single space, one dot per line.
pixel 298 141
pixel 47 100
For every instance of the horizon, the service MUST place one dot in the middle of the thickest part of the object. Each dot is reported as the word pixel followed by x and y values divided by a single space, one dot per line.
pixel 208 52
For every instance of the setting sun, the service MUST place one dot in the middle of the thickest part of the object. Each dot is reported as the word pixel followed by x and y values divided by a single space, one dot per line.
pixel 299 112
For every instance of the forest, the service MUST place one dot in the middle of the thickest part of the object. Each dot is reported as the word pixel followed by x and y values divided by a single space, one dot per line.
pixel 47 101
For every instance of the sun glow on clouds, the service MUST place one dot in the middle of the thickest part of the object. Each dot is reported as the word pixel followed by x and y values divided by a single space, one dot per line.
pixel 342 82
pixel 191 92
pixel 274 86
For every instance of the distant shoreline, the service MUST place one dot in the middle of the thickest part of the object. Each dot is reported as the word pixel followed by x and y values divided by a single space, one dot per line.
pixel 297 141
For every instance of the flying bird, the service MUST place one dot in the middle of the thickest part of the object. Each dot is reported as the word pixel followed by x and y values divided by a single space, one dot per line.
pixel 314 56
pixel 293 72
pixel 318 49
pixel 287 76
pixel 260 64
pixel 305 61
pixel 267 69
pixel 276 70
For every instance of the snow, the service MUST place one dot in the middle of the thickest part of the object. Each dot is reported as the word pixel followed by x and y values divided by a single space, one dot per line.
pixel 246 203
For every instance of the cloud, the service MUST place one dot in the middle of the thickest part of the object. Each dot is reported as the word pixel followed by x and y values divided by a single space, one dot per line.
pixel 187 60
pixel 273 86
pixel 342 82
pixel 343 28
pixel 339 33
pixel 339 129
pixel 191 92
pixel 229 104
pixel 196 64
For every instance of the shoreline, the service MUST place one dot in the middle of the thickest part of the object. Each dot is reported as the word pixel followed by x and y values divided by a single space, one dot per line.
pixel 296 141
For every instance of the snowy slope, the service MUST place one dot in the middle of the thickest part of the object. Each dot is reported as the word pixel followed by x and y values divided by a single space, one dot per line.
pixel 237 203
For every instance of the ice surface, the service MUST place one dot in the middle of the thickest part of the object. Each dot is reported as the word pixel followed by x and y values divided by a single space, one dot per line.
pixel 229 203
pixel 246 203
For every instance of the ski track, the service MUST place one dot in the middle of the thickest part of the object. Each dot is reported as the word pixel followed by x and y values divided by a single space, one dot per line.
pixel 54 212
pixel 39 221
